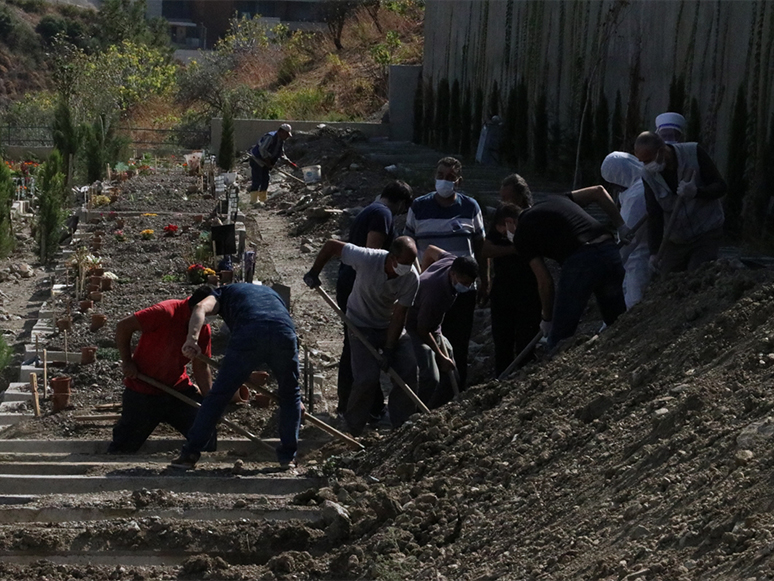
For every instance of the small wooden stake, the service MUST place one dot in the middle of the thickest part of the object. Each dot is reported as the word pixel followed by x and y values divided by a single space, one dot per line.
pixel 65 346
pixel 35 402
pixel 45 373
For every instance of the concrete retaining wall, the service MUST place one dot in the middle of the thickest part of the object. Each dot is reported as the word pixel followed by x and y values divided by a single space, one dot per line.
pixel 717 47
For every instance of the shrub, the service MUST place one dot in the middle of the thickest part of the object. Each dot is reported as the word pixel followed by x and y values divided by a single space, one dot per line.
pixel 226 152
pixel 7 240
pixel 51 206
pixel 51 25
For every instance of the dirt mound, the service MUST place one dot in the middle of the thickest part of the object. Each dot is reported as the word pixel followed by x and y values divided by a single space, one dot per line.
pixel 643 453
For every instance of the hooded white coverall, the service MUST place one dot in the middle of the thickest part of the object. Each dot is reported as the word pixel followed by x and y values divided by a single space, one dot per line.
pixel 624 169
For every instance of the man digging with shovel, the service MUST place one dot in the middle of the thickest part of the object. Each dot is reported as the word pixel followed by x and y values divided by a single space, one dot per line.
pixel 385 287
pixel 262 332
pixel 163 330
pixel 263 157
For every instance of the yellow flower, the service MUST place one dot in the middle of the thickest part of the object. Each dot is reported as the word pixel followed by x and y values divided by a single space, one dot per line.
pixel 148 214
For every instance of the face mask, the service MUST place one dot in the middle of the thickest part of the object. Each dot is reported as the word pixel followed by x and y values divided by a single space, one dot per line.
pixel 401 269
pixel 461 288
pixel 510 235
pixel 444 188
pixel 655 167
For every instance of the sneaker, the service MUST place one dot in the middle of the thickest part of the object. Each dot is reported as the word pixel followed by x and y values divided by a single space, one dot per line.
pixel 185 461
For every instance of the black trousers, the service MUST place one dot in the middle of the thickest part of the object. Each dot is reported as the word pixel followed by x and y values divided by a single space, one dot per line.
pixel 515 321
pixel 142 412
pixel 457 328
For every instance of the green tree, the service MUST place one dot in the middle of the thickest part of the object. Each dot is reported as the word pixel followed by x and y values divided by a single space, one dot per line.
pixel 52 200
pixel 7 241
pixel 66 134
pixel 226 153
pixel 122 20
pixel 335 14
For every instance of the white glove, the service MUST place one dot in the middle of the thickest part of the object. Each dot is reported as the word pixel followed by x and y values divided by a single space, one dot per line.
pixel 687 189
pixel 625 234
pixel 654 263
pixel 545 327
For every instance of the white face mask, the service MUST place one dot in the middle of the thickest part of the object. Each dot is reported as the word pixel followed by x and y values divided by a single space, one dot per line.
pixel 444 188
pixel 655 167
pixel 461 288
pixel 401 269
pixel 510 235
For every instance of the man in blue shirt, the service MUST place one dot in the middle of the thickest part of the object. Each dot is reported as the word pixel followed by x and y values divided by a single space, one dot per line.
pixel 452 221
pixel 372 228
pixel 263 156
pixel 262 333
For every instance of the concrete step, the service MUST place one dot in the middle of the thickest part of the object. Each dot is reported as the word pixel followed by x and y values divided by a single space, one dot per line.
pixel 9 419
pixel 236 446
pixel 15 395
pixel 15 514
pixel 171 480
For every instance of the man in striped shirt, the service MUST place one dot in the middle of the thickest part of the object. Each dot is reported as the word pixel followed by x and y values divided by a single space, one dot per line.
pixel 452 221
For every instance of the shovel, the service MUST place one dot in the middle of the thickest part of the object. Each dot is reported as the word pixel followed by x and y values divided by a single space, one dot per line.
pixel 310 418
pixel 355 331
pixel 452 377
pixel 521 356
pixel 174 393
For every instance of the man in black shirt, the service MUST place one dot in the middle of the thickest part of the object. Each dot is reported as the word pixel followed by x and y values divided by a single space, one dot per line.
pixel 558 228
pixel 513 295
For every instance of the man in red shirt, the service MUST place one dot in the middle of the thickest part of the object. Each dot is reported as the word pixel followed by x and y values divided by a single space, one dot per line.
pixel 164 329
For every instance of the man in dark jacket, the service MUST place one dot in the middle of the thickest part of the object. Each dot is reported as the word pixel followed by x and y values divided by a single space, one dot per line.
pixel 264 154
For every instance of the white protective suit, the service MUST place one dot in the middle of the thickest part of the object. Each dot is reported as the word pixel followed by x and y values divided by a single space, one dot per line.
pixel 624 169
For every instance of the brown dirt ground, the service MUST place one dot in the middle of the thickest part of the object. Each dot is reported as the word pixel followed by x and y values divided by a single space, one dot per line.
pixel 641 453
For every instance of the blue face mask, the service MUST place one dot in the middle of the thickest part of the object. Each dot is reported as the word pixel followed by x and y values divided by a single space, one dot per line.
pixel 461 288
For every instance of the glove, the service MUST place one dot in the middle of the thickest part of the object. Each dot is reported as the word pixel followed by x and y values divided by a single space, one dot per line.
pixel 654 263
pixel 545 327
pixel 388 353
pixel 312 279
pixel 687 189
pixel 625 234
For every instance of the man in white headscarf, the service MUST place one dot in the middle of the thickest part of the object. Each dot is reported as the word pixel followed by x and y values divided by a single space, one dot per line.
pixel 624 170
pixel 671 127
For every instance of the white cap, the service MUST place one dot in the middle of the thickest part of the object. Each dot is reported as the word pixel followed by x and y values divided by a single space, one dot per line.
pixel 286 127
pixel 621 168
pixel 671 121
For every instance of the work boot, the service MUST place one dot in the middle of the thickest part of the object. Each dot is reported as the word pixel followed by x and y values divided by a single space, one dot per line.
pixel 253 196
pixel 185 461
pixel 262 195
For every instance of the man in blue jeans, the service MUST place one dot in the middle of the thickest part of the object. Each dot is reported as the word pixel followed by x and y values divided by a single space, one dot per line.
pixel 262 332
pixel 558 228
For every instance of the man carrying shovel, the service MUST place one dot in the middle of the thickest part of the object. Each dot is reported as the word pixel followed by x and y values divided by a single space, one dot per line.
pixel 163 330
pixel 263 156
pixel 262 333
pixel 683 188
pixel 384 289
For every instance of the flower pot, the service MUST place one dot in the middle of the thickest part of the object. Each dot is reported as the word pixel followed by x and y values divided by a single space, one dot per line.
pixel 85 305
pixel 261 400
pixel 98 321
pixel 95 281
pixel 90 288
pixel 96 296
pixel 226 276
pixel 60 386
pixel 107 283
pixel 185 228
pixel 96 245
pixel 242 395
pixel 120 224
pixel 98 234
pixel 212 279
pixel 96 271
pixel 198 218
pixel 64 324
pixel 88 355
pixel 113 198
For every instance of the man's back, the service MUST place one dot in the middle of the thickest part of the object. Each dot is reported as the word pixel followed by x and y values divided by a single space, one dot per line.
pixel 247 307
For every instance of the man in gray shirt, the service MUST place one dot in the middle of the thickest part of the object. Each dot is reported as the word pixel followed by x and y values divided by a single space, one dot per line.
pixel 385 287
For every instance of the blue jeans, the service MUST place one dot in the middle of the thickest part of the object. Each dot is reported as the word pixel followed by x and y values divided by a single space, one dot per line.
pixel 592 269
pixel 278 350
